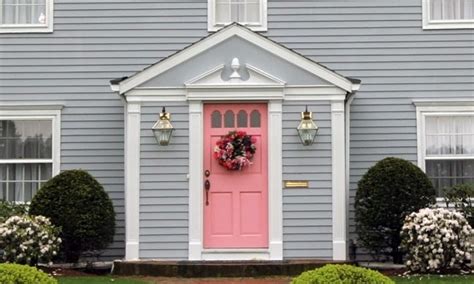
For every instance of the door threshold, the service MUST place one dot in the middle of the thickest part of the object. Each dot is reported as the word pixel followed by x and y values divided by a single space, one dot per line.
pixel 236 254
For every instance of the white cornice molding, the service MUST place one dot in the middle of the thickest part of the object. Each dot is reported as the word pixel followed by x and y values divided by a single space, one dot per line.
pixel 246 34
pixel 287 93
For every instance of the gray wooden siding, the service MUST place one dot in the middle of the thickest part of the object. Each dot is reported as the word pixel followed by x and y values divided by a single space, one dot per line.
pixel 164 185
pixel 378 41
pixel 307 220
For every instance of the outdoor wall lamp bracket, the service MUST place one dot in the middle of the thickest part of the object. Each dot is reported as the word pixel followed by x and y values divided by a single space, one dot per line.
pixel 307 129
pixel 163 129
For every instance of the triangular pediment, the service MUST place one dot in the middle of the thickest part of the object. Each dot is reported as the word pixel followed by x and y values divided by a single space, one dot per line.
pixel 246 75
pixel 231 36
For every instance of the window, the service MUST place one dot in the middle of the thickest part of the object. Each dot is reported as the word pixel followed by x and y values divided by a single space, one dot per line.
pixel 251 13
pixel 446 145
pixel 26 16
pixel 448 14
pixel 29 152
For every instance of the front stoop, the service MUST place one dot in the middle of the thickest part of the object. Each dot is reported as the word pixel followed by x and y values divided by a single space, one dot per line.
pixel 217 268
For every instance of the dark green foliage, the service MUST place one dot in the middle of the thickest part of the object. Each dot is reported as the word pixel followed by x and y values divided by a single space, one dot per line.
pixel 341 274
pixel 77 203
pixel 460 196
pixel 389 191
pixel 8 209
pixel 23 274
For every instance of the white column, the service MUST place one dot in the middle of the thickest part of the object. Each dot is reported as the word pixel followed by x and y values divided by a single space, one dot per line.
pixel 339 223
pixel 132 180
pixel 275 183
pixel 196 148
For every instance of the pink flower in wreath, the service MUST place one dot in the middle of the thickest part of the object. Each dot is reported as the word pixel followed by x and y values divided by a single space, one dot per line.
pixel 235 150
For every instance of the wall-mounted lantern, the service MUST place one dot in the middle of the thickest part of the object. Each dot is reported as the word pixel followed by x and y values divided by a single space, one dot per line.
pixel 307 129
pixel 163 128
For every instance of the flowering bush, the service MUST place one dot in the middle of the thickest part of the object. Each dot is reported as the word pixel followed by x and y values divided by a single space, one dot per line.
pixel 436 240
pixel 29 240
pixel 8 209
pixel 235 150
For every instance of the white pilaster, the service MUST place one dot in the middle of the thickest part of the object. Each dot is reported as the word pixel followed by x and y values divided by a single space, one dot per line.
pixel 132 180
pixel 275 175
pixel 339 223
pixel 196 148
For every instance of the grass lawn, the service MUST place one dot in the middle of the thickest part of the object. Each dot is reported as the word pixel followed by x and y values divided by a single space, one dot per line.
pixel 435 279
pixel 152 280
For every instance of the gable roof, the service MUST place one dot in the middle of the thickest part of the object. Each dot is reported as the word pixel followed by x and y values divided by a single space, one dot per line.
pixel 127 83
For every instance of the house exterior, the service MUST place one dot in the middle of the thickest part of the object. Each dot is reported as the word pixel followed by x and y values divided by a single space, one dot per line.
pixel 83 83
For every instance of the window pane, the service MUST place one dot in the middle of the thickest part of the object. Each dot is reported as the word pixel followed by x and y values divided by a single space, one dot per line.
pixel 446 173
pixel 450 135
pixel 242 119
pixel 222 11
pixel 452 9
pixel 216 119
pixel 255 118
pixel 23 12
pixel 229 119
pixel 237 10
pixel 25 139
pixel 253 11
pixel 19 182
pixel 242 11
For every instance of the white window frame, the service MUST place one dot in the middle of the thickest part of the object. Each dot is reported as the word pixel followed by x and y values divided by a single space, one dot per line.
pixel 52 113
pixel 212 26
pixel 47 27
pixel 426 108
pixel 429 24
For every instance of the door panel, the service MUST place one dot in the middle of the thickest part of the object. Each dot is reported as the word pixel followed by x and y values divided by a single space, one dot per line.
pixel 236 215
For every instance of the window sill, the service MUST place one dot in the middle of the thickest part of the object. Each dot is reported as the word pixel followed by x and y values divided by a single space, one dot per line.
pixel 440 25
pixel 260 28
pixel 16 30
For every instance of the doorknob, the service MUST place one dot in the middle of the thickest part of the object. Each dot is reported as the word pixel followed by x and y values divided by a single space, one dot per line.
pixel 207 187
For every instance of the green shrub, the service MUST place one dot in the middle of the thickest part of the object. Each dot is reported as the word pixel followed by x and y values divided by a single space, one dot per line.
pixel 9 209
pixel 341 274
pixel 23 274
pixel 389 191
pixel 77 203
pixel 461 197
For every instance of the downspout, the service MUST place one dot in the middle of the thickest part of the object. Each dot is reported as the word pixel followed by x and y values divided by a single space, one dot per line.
pixel 347 111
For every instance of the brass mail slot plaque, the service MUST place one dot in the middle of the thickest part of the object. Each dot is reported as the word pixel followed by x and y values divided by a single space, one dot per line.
pixel 296 184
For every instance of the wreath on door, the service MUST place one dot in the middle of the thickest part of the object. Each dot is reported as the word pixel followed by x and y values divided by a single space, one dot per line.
pixel 235 150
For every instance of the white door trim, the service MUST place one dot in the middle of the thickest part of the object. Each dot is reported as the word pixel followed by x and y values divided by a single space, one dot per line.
pixel 275 207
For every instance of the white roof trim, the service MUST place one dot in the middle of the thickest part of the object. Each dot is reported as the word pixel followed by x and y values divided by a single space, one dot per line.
pixel 248 35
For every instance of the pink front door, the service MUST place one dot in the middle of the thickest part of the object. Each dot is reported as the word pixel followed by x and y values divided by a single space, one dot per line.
pixel 236 214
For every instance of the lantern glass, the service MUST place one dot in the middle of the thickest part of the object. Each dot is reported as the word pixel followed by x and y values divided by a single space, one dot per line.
pixel 163 129
pixel 307 129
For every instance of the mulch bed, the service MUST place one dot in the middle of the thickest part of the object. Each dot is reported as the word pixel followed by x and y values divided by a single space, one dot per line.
pixel 74 272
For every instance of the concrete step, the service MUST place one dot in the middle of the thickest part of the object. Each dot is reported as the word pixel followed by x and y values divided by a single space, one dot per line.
pixel 217 268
